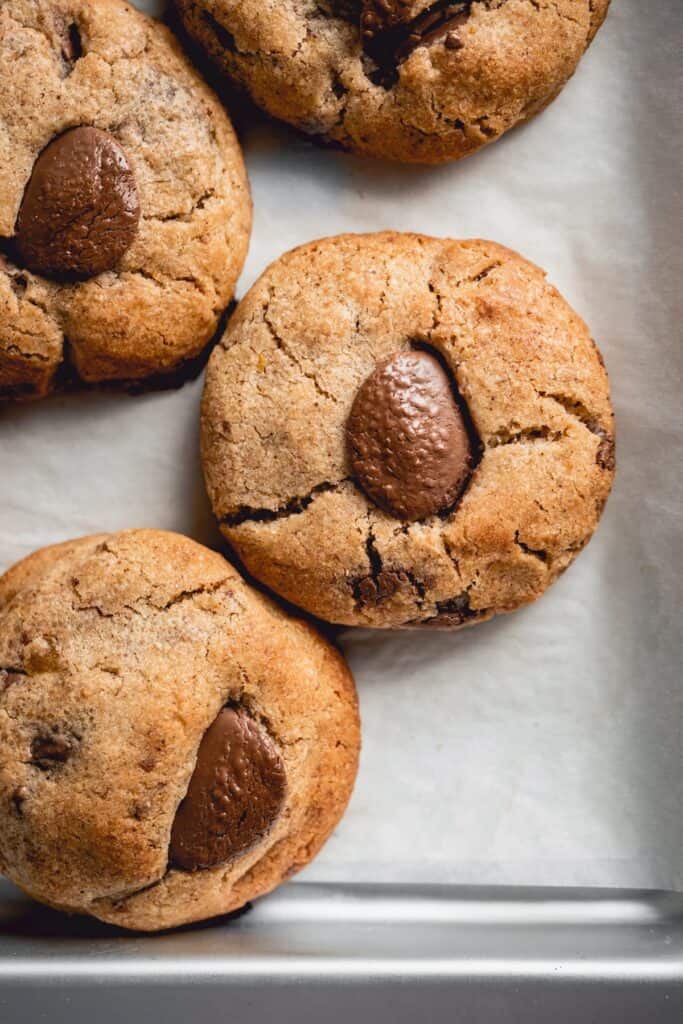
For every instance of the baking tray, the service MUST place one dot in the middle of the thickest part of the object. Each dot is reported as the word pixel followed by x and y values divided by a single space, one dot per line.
pixel 515 842
pixel 384 953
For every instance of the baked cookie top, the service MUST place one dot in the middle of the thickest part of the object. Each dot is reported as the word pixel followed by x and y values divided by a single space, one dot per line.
pixel 172 744
pixel 411 80
pixel 403 430
pixel 124 203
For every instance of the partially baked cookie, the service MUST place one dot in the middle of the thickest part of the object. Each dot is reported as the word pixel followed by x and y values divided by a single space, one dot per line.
pixel 411 80
pixel 401 430
pixel 172 744
pixel 124 204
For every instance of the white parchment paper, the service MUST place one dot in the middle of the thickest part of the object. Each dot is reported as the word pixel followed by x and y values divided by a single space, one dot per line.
pixel 545 747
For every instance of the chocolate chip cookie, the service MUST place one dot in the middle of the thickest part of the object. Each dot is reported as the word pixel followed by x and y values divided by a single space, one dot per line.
pixel 124 203
pixel 172 744
pixel 411 80
pixel 406 431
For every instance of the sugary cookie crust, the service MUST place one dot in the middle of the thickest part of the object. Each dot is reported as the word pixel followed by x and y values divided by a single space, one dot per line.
pixel 278 393
pixel 302 60
pixel 161 305
pixel 128 645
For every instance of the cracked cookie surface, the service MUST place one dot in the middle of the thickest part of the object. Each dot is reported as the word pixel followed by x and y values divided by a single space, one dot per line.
pixel 172 744
pixel 411 80
pixel 152 303
pixel 281 387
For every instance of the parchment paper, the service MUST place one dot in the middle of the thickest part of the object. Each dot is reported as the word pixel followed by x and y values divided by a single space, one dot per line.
pixel 545 747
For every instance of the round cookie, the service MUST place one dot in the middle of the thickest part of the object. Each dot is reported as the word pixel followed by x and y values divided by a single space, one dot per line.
pixel 124 203
pixel 172 744
pixel 410 80
pixel 402 430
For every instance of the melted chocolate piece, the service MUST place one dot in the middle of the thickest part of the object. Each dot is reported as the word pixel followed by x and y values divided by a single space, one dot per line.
pixel 80 211
pixel 235 794
pixel 49 751
pixel 392 29
pixel 407 438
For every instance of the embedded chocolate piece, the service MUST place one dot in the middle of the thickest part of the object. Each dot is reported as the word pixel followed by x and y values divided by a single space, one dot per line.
pixel 372 590
pixel 80 210
pixel 606 455
pixel 392 29
pixel 49 751
pixel 235 794
pixel 408 442
pixel 450 614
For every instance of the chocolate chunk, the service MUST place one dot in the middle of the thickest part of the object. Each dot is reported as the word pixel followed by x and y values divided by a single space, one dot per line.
pixel 392 29
pixel 372 590
pixel 606 456
pixel 450 614
pixel 453 41
pixel 19 798
pixel 407 439
pixel 71 43
pixel 80 210
pixel 235 794
pixel 48 751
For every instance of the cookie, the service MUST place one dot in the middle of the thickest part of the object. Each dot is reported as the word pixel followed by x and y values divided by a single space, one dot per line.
pixel 124 204
pixel 406 431
pixel 172 744
pixel 409 80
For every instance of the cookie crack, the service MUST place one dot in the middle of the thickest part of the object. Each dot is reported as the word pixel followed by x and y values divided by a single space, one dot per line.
pixel 473 278
pixel 161 280
pixel 189 595
pixel 286 350
pixel 17 350
pixel 577 410
pixel 180 215
pixel 381 582
pixel 524 436
pixel 605 456
pixel 540 554
pixel 117 900
pixel 454 611
pixel 136 608
pixel 449 552
pixel 294 507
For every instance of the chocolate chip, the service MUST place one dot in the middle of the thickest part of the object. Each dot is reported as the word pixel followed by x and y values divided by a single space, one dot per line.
pixel 453 41
pixel 48 751
pixel 450 614
pixel 235 794
pixel 80 210
pixel 19 798
pixel 372 590
pixel 606 454
pixel 392 29
pixel 72 44
pixel 407 438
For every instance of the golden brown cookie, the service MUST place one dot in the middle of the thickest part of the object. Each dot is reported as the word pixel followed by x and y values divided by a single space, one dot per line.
pixel 402 430
pixel 411 80
pixel 124 204
pixel 172 744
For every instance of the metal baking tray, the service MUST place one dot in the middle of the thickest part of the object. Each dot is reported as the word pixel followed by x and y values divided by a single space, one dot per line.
pixel 514 847
pixel 378 953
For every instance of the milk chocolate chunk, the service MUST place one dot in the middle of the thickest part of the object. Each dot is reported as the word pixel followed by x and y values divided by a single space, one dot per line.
pixel 235 794
pixel 408 442
pixel 80 210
